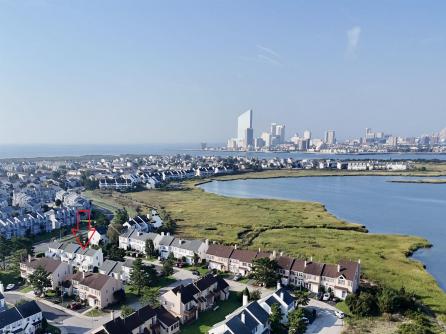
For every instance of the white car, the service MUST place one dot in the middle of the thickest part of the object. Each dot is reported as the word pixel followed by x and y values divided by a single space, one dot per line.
pixel 10 286
pixel 237 277
pixel 326 297
pixel 339 314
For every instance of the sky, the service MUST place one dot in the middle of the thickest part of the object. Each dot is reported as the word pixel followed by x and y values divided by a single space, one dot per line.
pixel 89 71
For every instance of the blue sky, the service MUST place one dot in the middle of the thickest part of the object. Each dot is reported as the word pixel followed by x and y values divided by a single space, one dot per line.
pixel 182 71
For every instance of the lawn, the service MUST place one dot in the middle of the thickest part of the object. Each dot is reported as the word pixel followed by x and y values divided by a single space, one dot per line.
pixel 209 318
pixel 300 229
pixel 94 313
pixel 200 269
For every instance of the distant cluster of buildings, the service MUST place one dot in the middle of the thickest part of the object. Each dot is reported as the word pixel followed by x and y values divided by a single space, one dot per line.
pixel 274 140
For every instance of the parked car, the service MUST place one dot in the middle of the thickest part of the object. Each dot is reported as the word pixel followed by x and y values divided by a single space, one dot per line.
pixel 10 286
pixel 326 297
pixel 340 314
pixel 237 277
pixel 75 306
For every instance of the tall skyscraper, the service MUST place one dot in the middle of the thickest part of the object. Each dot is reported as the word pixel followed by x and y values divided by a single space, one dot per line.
pixel 280 133
pixel 330 137
pixel 273 129
pixel 245 132
pixel 307 134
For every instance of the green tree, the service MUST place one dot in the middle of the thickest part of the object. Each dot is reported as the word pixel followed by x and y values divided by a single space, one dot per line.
pixel 296 325
pixel 264 271
pixel 255 295
pixel 121 216
pixel 126 311
pixel 39 280
pixel 168 266
pixel 275 318
pixel 113 232
pixel 150 296
pixel 364 304
pixel 150 248
pixel 138 277
pixel 302 297
pixel 5 250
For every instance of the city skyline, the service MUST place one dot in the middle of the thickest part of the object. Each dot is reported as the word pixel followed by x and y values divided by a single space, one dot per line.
pixel 150 74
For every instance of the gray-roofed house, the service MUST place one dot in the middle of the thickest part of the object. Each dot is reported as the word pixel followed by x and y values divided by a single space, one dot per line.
pixel 191 250
pixel 186 301
pixel 253 318
pixel 132 239
pixel 25 318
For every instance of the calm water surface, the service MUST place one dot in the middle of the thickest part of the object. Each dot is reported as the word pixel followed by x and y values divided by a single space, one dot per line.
pixel 384 207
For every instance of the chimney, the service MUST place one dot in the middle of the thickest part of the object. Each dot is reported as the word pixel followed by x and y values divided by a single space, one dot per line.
pixel 242 317
pixel 235 246
pixel 274 254
pixel 259 250
pixel 359 261
pixel 2 288
pixel 83 274
pixel 279 286
pixel 29 258
pixel 112 315
pixel 206 242
pixel 168 233
pixel 281 295
pixel 311 259
pixel 245 300
pixel 162 233
pixel 281 253
pixel 339 268
pixel 305 263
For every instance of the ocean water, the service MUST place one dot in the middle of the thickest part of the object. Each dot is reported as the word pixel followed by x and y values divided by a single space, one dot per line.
pixel 382 206
pixel 50 150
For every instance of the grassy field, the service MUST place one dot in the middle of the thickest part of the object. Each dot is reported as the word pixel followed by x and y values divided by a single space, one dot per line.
pixel 209 318
pixel 296 228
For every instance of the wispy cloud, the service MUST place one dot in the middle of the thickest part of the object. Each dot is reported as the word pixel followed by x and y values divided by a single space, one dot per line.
pixel 267 59
pixel 268 55
pixel 353 37
pixel 268 50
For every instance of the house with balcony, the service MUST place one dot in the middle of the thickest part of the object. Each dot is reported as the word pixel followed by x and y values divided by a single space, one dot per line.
pixel 187 301
pixel 56 269
pixel 240 261
pixel 218 256
pixel 96 289
pixel 133 239
pixel 342 278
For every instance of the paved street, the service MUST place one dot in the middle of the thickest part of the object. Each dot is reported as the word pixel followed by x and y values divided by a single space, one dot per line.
pixel 326 321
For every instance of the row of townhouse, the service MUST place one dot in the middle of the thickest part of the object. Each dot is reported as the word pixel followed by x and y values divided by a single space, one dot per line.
pixel 378 165
pixel 36 222
pixel 342 278
pixel 165 244
pixel 145 320
pixel 23 318
pixel 98 290
pixel 31 223
pixel 118 183
pixel 83 259
pixel 145 223
pixel 186 302
pixel 253 317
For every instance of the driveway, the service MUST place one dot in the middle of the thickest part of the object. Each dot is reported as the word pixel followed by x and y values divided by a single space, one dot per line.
pixel 326 321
